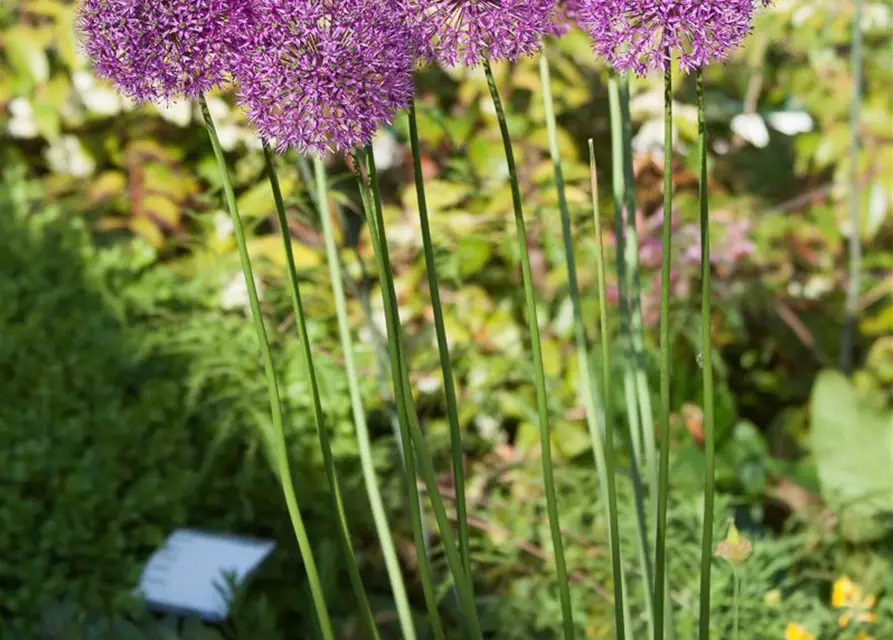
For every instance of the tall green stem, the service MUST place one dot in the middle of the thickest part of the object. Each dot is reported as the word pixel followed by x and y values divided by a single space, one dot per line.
pixel 588 388
pixel 395 354
pixel 617 565
pixel 595 419
pixel 379 517
pixel 660 554
pixel 279 444
pixel 709 422
pixel 620 157
pixel 854 240
pixel 539 374
pixel 442 344
pixel 410 430
pixel 736 600
pixel 319 420
pixel 634 284
pixel 381 352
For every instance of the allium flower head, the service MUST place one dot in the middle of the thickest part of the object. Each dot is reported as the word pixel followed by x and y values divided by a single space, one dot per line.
pixel 641 35
pixel 470 31
pixel 322 75
pixel 156 50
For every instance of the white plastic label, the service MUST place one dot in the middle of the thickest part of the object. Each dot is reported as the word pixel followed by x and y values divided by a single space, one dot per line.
pixel 188 574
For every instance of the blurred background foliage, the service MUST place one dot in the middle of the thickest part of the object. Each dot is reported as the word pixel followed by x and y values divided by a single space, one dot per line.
pixel 123 325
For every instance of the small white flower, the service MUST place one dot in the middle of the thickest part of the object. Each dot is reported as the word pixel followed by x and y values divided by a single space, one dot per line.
pixel 22 124
pixel 488 427
pixel 97 99
pixel 386 152
pixel 67 156
pixel 223 225
pixel 428 384
pixel 234 296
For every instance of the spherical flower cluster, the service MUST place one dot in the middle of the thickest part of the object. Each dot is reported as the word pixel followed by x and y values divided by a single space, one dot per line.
pixel 472 31
pixel 155 50
pixel 323 75
pixel 641 35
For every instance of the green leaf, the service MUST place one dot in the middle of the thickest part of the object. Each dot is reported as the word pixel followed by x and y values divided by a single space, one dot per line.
pixel 26 56
pixel 473 253
pixel 852 444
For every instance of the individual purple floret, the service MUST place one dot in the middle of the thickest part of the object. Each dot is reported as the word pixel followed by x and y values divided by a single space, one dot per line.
pixel 565 17
pixel 641 35
pixel 156 50
pixel 471 31
pixel 323 75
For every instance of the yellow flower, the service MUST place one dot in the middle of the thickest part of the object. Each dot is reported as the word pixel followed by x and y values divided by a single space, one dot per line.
pixel 848 595
pixel 797 632
pixel 844 593
pixel 863 635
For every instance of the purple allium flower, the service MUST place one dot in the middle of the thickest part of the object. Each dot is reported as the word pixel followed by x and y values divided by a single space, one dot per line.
pixel 641 35
pixel 321 75
pixel 471 31
pixel 155 50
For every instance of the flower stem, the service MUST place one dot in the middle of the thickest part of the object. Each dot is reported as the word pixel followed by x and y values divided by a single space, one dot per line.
pixel 854 240
pixel 442 344
pixel 379 517
pixel 634 284
pixel 539 374
pixel 319 419
pixel 660 554
pixel 596 413
pixel 736 603
pixel 637 399
pixel 617 565
pixel 709 422
pixel 589 390
pixel 381 350
pixel 279 443
pixel 410 431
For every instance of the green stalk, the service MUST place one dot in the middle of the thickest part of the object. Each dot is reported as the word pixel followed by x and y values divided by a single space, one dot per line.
pixel 709 421
pixel 395 355
pixel 379 517
pixel 854 240
pixel 588 387
pixel 381 355
pixel 736 600
pixel 634 284
pixel 442 344
pixel 279 444
pixel 319 420
pixel 618 161
pixel 620 156
pixel 539 374
pixel 410 431
pixel 660 555
pixel 609 410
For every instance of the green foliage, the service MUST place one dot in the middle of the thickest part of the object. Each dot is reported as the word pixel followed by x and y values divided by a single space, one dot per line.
pixel 98 454
pixel 131 405
pixel 852 443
